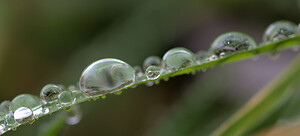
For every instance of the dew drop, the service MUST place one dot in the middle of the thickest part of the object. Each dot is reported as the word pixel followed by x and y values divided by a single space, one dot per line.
pixel 212 58
pixel 24 100
pixel 106 75
pixel 153 72
pixel 232 42
pixel 74 116
pixel 118 93
pixel 66 98
pixel 2 129
pixel 178 58
pixel 9 119
pixel 222 54
pixel 23 115
pixel 280 30
pixel 50 92
pixel 4 106
pixel 103 96
pixel 138 71
pixel 152 61
pixel 149 84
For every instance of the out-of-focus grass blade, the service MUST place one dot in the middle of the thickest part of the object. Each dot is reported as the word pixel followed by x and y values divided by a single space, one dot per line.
pixel 265 103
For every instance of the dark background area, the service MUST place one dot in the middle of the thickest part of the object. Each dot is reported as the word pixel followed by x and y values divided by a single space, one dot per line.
pixel 52 41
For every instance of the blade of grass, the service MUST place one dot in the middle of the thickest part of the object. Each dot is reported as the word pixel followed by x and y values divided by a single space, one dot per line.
pixel 263 104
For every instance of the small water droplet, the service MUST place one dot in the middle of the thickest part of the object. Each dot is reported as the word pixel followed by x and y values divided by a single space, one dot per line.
pixel 23 115
pixel 222 54
pixel 152 61
pixel 24 100
pixel 66 98
pixel 280 30
pixel 49 93
pixel 153 72
pixel 138 71
pixel 4 106
pixel 178 58
pixel 232 42
pixel 106 75
pixel 204 69
pixel 166 79
pixel 9 119
pixel 2 129
pixel 149 83
pixel 103 96
pixel 274 55
pixel 118 93
pixel 212 58
pixel 74 116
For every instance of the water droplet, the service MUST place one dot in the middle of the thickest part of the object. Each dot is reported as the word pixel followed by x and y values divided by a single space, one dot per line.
pixel 178 58
pixel 222 54
pixel 152 72
pixel 74 116
pixel 2 129
pixel 152 61
pixel 24 100
pixel 166 79
pixel 149 83
pixel 49 93
pixel 232 42
pixel 106 75
pixel 4 106
pixel 103 96
pixel 23 115
pixel 138 71
pixel 280 30
pixel 66 98
pixel 212 58
pixel 9 119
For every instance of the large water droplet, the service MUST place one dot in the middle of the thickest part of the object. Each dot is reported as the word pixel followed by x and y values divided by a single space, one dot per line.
pixel 153 72
pixel 4 106
pixel 152 61
pixel 178 58
pixel 50 93
pixel 232 42
pixel 106 75
pixel 24 100
pixel 280 30
pixel 23 115
pixel 66 98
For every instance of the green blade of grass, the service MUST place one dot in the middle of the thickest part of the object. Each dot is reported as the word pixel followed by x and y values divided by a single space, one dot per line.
pixel 265 103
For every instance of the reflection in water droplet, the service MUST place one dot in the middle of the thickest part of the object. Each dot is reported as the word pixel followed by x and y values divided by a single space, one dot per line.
pixel 280 30
pixel 49 93
pixel 222 54
pixel 232 42
pixel 23 115
pixel 66 98
pixel 106 75
pixel 4 106
pixel 178 58
pixel 152 61
pixel 74 116
pixel 153 72
pixel 24 100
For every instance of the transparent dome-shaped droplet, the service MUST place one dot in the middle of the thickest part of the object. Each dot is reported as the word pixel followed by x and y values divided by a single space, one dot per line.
pixel 106 75
pixel 74 116
pixel 24 100
pixel 49 93
pixel 153 72
pixel 178 58
pixel 10 120
pixel 4 106
pixel 152 61
pixel 23 115
pixel 232 42
pixel 222 54
pixel 280 30
pixel 149 84
pixel 66 98
pixel 212 58
pixel 138 71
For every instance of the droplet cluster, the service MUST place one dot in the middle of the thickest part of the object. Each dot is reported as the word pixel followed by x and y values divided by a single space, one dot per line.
pixel 110 75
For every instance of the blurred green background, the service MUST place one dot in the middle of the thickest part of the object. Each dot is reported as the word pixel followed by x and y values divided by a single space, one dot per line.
pixel 52 41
